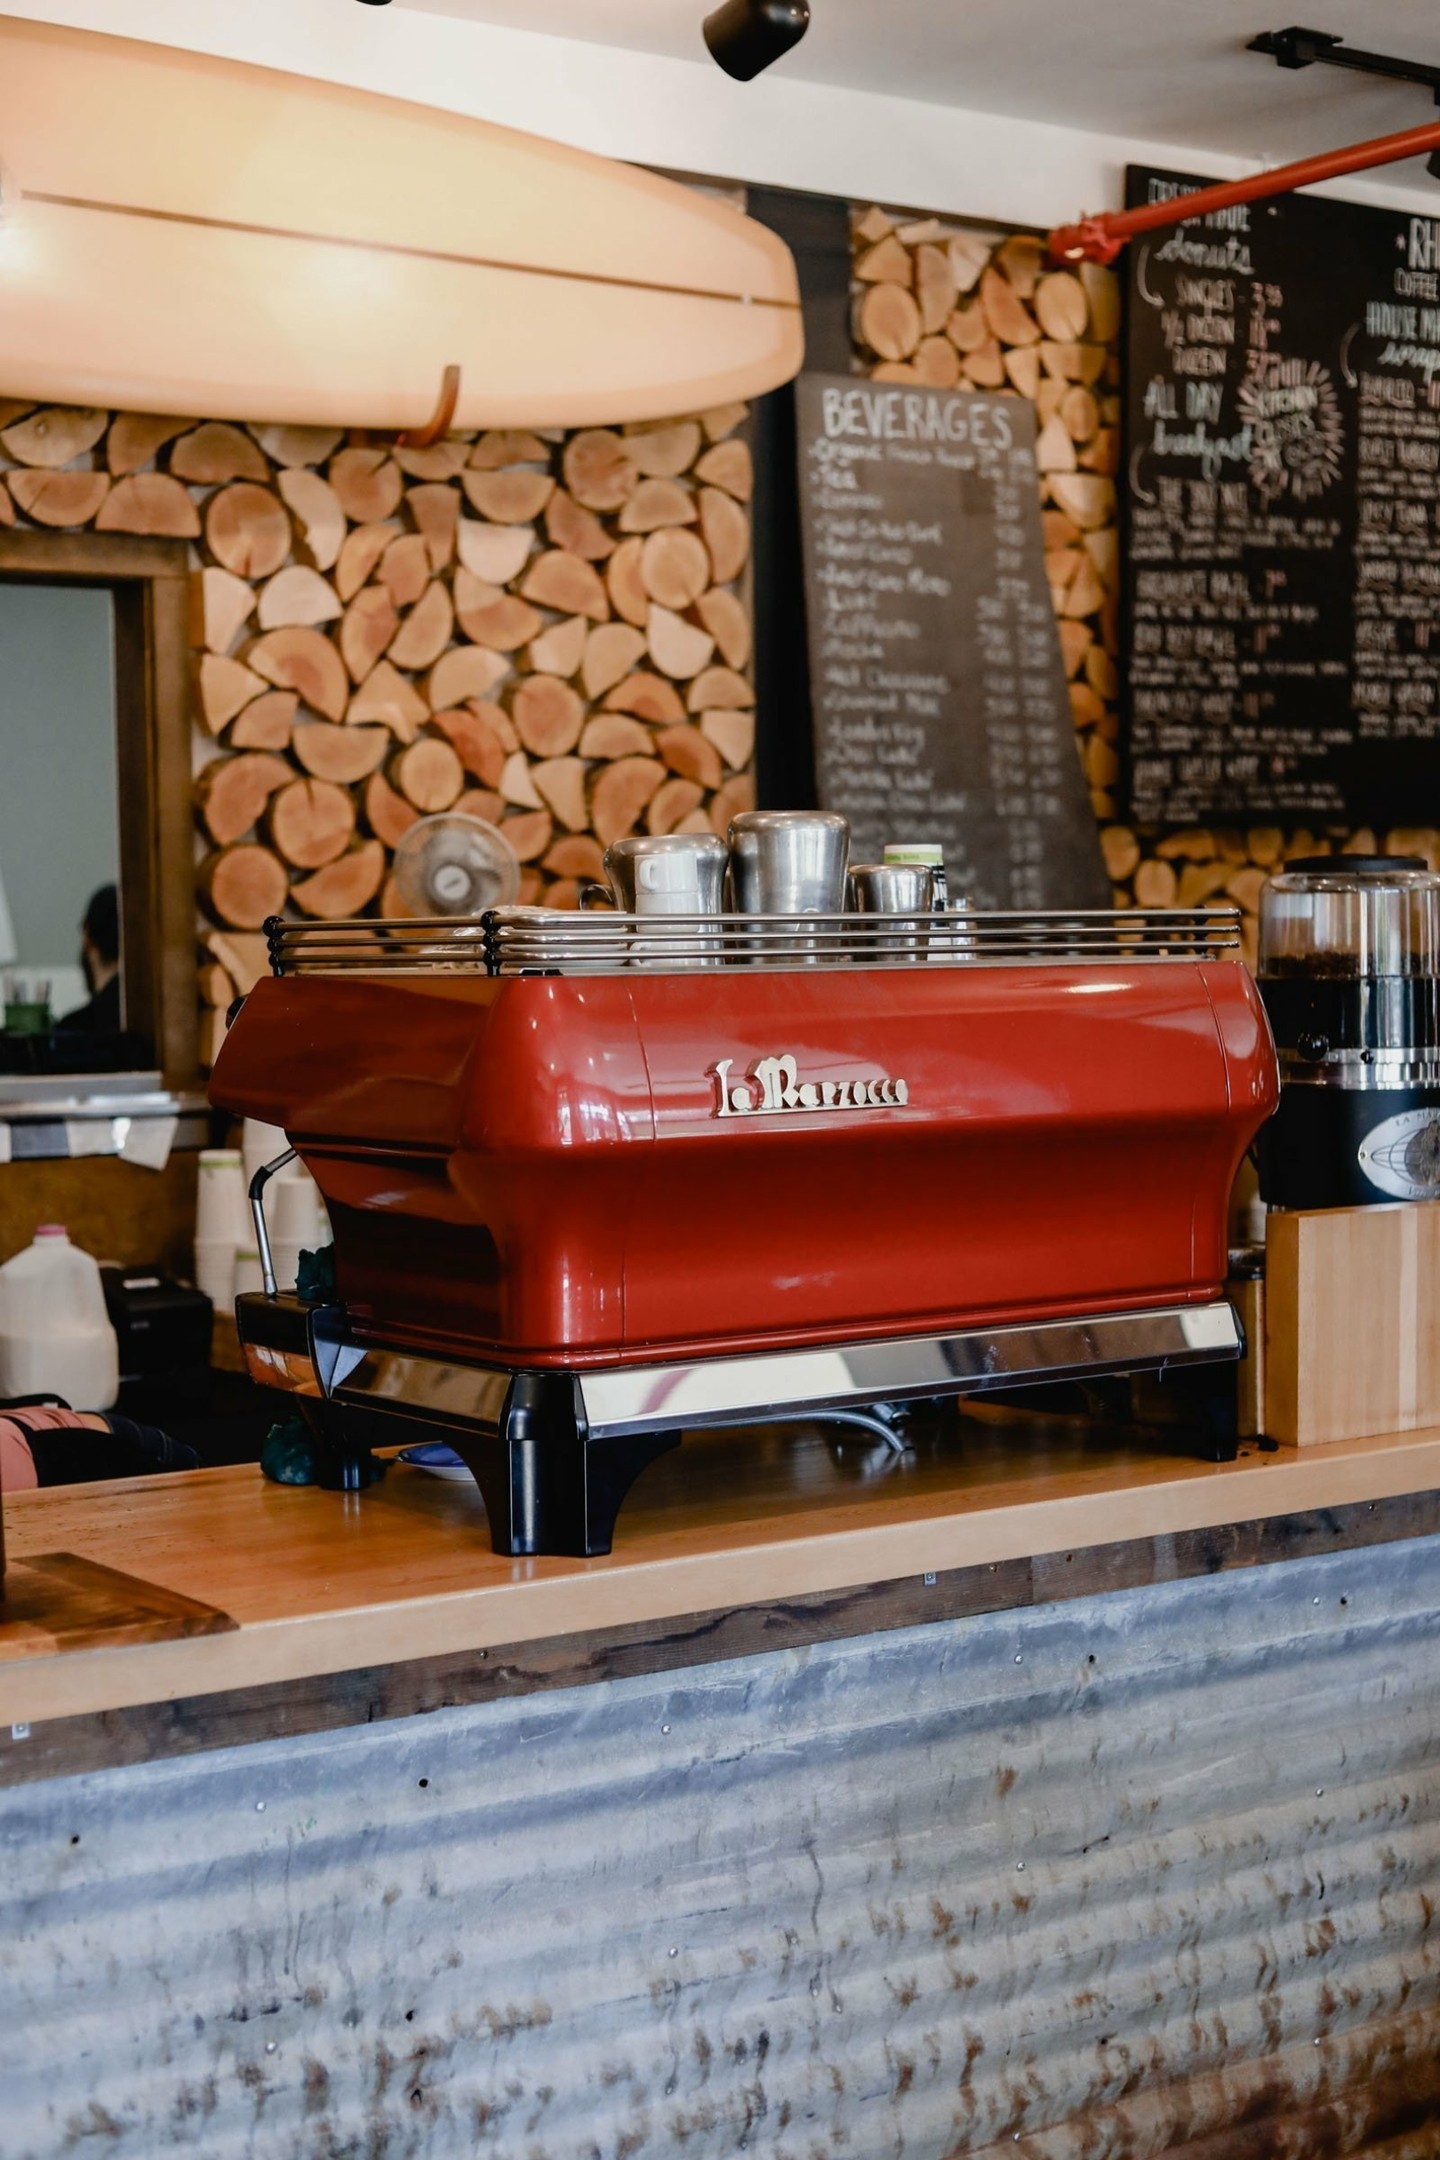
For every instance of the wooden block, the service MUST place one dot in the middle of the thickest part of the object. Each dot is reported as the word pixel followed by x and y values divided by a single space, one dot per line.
pixel 1352 1322
pixel 1247 1294
pixel 56 1602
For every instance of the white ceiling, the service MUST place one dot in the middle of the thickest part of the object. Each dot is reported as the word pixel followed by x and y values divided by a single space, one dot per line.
pixel 1170 70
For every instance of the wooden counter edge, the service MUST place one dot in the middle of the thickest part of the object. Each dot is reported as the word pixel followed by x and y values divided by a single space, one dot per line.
pixel 769 1570
pixel 366 1695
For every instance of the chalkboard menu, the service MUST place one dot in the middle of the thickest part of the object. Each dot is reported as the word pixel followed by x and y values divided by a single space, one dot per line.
pixel 1282 512
pixel 940 707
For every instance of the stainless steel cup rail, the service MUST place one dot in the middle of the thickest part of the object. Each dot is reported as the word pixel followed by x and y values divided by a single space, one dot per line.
pixel 546 941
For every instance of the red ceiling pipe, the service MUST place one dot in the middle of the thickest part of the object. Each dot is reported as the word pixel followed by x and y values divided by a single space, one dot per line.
pixel 1100 239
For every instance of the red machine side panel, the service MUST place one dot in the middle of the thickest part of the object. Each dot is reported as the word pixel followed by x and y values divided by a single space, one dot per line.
pixel 374 1059
pixel 473 1145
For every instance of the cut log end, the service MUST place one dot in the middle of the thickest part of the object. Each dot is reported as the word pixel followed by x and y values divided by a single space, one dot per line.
pixel 346 887
pixel 244 886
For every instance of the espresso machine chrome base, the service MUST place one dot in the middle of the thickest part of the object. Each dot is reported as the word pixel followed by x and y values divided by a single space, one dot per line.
pixel 555 1453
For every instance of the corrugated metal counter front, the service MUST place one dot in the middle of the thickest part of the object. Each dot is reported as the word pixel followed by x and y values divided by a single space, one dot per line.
pixel 1121 1842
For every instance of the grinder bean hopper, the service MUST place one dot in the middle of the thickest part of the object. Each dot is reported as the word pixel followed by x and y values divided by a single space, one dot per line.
pixel 1349 953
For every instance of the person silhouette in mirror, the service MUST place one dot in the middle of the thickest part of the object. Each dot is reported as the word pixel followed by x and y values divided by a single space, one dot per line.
pixel 100 958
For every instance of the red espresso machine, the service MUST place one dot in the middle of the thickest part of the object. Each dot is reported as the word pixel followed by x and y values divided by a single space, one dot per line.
pixel 597 1179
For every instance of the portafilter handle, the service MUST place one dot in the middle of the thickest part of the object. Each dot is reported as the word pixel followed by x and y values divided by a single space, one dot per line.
pixel 258 1183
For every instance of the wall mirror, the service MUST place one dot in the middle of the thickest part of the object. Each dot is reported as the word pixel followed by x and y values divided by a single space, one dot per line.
pixel 96 856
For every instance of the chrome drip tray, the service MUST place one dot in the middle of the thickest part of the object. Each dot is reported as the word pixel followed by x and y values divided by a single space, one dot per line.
pixel 555 1452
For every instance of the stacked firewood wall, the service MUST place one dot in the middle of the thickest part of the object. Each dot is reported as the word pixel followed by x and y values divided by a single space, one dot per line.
pixel 548 631
pixel 940 304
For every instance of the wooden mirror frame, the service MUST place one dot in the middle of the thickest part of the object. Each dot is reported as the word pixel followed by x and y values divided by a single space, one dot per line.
pixel 150 581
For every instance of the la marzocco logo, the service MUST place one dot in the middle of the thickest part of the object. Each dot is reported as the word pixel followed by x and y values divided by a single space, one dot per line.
pixel 774 1086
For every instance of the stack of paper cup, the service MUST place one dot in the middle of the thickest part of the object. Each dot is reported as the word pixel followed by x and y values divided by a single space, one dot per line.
pixel 222 1223
pixel 226 1262
pixel 296 1221
pixel 260 1144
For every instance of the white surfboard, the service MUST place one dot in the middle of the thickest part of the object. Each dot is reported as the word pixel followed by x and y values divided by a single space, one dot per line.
pixel 182 234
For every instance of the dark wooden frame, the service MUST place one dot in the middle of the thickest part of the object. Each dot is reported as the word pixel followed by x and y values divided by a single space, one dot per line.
pixel 150 581
pixel 816 228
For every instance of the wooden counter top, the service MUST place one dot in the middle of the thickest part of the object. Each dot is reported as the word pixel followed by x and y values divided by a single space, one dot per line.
pixel 322 1583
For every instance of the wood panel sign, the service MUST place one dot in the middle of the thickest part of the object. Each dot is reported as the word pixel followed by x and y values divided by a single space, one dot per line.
pixel 1282 511
pixel 940 706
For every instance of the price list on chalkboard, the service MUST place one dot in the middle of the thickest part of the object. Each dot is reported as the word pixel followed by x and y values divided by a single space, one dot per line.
pixel 940 706
pixel 1282 507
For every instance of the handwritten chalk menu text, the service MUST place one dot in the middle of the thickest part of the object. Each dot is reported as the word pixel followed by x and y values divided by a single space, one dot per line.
pixel 940 705
pixel 1282 507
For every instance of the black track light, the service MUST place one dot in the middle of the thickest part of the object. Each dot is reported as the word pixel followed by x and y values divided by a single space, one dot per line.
pixel 747 36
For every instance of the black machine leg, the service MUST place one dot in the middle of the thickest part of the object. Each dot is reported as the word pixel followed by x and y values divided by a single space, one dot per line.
pixel 1209 1403
pixel 548 1486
